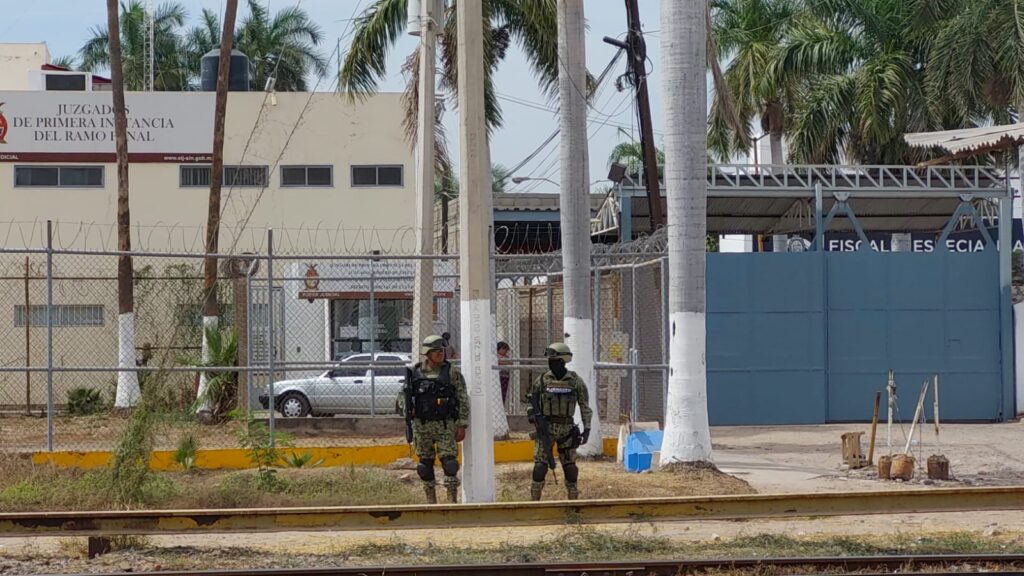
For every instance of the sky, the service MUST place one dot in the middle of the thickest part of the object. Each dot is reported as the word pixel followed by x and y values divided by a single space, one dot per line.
pixel 65 26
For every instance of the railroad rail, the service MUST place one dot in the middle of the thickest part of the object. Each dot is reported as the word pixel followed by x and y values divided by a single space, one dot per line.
pixel 903 563
pixel 102 523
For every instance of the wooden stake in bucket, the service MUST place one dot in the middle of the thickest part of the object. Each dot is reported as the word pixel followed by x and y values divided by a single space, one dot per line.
pixel 938 465
pixel 902 467
pixel 885 467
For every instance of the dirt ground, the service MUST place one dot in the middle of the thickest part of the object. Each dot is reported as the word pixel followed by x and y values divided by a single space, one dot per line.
pixel 769 459
pixel 808 458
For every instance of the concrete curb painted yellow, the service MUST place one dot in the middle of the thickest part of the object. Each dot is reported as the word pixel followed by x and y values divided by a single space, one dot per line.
pixel 236 458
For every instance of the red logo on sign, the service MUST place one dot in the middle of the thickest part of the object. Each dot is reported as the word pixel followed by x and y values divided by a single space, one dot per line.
pixel 3 125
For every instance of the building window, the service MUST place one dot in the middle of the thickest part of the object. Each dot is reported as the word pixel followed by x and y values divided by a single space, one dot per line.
pixel 198 176
pixel 194 176
pixel 74 82
pixel 59 176
pixel 390 176
pixel 63 315
pixel 247 176
pixel 307 176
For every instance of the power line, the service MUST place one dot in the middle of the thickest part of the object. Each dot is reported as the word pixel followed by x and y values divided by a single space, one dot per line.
pixel 550 165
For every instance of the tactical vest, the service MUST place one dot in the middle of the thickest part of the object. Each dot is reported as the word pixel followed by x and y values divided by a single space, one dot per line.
pixel 434 398
pixel 558 400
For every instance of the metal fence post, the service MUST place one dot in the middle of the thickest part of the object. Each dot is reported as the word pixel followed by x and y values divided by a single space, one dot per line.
pixel 248 338
pixel 634 356
pixel 373 343
pixel 597 315
pixel 49 335
pixel 270 329
pixel 551 311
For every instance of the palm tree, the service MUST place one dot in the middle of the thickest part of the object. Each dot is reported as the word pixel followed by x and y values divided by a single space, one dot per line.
pixel 749 36
pixel 532 24
pixel 66 61
pixel 864 64
pixel 631 155
pixel 210 306
pixel 283 46
pixel 170 71
pixel 976 65
pixel 127 393
pixel 683 44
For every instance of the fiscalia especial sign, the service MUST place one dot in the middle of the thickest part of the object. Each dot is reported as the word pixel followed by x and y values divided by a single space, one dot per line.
pixel 40 126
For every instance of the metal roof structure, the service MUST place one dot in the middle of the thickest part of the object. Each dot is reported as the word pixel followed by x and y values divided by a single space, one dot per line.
pixel 969 141
pixel 761 199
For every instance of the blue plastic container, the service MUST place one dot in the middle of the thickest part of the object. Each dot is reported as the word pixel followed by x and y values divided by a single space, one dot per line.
pixel 640 449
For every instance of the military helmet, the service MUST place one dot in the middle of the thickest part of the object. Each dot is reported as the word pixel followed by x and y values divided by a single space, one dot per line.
pixel 431 343
pixel 558 350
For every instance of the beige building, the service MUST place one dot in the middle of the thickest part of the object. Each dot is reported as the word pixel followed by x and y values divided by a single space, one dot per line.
pixel 328 175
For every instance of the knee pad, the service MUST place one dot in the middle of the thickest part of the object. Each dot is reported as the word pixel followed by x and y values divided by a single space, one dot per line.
pixel 572 473
pixel 450 466
pixel 540 471
pixel 425 469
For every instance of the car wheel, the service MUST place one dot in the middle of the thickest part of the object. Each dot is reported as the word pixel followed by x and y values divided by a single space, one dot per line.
pixel 293 405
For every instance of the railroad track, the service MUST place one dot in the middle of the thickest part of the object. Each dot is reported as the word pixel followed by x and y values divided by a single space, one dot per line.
pixel 993 564
pixel 334 518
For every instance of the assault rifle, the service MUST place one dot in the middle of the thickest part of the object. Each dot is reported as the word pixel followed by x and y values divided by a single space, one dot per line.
pixel 543 433
pixel 407 391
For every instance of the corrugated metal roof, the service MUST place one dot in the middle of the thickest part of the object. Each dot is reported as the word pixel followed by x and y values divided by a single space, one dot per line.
pixel 969 139
pixel 546 202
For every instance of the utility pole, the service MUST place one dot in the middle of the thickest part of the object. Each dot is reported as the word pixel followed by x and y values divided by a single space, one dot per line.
pixel 423 295
pixel 636 49
pixel 475 213
pixel 574 203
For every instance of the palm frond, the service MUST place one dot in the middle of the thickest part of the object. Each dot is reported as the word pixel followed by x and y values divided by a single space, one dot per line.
pixel 376 32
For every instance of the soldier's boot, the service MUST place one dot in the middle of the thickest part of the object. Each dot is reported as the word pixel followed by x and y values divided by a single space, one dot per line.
pixel 536 488
pixel 453 493
pixel 571 491
pixel 431 492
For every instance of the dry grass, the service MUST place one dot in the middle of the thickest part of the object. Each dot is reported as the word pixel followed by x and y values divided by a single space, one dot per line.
pixel 569 544
pixel 27 487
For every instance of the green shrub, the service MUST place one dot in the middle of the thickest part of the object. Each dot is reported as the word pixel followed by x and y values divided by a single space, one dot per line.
pixel 85 401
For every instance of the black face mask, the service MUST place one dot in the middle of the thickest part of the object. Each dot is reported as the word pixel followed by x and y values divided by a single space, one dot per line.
pixel 557 367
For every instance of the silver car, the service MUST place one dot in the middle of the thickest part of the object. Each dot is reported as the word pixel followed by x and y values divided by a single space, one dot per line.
pixel 344 390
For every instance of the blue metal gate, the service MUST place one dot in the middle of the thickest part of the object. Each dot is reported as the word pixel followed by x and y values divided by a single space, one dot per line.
pixel 809 337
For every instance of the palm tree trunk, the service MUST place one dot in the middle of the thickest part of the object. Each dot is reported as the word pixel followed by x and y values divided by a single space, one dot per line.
pixel 127 394
pixel 687 435
pixel 575 206
pixel 210 307
pixel 775 139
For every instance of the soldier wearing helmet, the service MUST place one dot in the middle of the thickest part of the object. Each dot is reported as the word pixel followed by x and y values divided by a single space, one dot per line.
pixel 556 395
pixel 437 406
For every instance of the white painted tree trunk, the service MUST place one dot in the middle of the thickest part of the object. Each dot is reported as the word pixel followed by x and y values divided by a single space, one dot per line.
pixel 578 325
pixel 209 323
pixel 687 433
pixel 128 392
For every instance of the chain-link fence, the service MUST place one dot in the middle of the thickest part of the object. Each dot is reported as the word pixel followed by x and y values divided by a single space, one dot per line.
pixel 316 345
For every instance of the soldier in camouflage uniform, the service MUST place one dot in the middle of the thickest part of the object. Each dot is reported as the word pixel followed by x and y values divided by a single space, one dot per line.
pixel 557 393
pixel 437 405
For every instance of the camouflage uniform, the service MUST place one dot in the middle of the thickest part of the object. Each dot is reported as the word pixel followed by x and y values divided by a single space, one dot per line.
pixel 560 425
pixel 436 438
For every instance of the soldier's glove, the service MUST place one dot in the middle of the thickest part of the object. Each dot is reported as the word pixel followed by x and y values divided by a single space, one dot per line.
pixel 586 436
pixel 460 433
